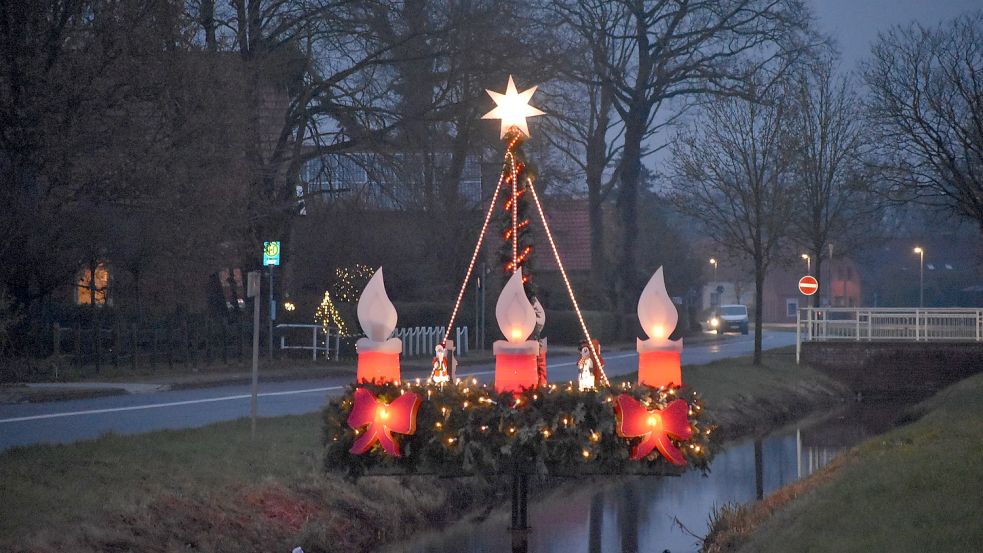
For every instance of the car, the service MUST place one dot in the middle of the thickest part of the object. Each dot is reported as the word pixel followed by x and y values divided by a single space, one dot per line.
pixel 730 317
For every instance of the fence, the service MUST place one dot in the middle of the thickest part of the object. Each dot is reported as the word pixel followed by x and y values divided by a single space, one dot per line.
pixel 316 343
pixel 205 342
pixel 420 341
pixel 885 324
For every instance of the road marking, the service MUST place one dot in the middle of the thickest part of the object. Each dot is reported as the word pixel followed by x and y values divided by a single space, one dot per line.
pixel 223 398
pixel 168 404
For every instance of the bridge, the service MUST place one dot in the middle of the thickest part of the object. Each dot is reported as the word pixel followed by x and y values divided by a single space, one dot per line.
pixel 891 350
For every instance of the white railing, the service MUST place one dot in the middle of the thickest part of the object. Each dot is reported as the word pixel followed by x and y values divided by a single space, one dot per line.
pixel 420 341
pixel 886 324
pixel 316 344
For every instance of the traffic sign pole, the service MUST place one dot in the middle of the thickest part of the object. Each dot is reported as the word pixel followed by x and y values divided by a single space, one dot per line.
pixel 253 281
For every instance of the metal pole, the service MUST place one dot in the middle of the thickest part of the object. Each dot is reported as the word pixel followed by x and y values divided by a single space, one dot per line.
pixel 269 353
pixel 921 279
pixel 484 285
pixel 253 407
pixel 798 335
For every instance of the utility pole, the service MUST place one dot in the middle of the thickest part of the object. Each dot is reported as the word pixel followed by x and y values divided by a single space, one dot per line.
pixel 252 290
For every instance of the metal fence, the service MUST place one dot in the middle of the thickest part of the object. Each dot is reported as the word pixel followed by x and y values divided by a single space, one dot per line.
pixel 890 324
pixel 327 340
pixel 887 324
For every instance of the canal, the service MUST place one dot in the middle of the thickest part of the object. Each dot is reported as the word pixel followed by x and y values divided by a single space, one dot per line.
pixel 633 514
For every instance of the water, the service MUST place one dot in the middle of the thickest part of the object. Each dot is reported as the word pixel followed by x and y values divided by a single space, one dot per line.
pixel 621 514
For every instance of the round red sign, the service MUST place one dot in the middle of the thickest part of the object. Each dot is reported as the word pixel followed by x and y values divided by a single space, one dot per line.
pixel 808 285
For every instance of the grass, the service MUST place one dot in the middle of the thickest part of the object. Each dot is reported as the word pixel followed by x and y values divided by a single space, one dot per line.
pixel 916 488
pixel 215 489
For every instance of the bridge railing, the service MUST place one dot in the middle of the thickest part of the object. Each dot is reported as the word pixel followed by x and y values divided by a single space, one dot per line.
pixel 884 324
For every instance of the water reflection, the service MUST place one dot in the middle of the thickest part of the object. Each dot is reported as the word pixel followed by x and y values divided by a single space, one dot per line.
pixel 628 515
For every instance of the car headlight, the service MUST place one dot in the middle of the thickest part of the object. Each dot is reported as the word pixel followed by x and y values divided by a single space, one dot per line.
pixel 714 322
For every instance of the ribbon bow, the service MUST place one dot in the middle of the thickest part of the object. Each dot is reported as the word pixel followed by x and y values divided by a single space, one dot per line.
pixel 654 427
pixel 383 419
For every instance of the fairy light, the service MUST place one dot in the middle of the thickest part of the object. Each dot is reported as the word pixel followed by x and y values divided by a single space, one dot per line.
pixel 474 257
pixel 566 282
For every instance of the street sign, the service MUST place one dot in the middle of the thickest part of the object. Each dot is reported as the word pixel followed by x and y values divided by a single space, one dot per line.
pixel 808 285
pixel 252 284
pixel 271 253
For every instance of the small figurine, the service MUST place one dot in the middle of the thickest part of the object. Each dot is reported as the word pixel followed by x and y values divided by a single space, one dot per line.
pixel 440 375
pixel 585 369
pixel 541 364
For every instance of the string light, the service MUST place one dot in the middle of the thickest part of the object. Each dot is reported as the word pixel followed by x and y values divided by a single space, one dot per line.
pixel 566 282
pixel 474 257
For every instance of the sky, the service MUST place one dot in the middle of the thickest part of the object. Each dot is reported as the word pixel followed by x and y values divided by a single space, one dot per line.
pixel 854 24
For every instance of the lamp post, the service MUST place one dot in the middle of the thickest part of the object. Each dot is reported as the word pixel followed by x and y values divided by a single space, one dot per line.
pixel 921 275
pixel 808 262
pixel 714 263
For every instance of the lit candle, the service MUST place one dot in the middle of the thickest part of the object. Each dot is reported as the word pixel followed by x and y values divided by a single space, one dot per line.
pixel 515 357
pixel 378 354
pixel 658 357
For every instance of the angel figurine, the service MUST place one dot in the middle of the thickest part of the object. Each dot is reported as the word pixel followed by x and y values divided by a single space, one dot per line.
pixel 440 375
pixel 585 369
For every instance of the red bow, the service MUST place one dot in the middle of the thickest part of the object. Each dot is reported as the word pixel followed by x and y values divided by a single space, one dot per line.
pixel 398 416
pixel 654 427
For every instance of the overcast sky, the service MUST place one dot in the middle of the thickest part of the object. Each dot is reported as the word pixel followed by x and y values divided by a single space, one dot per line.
pixel 855 23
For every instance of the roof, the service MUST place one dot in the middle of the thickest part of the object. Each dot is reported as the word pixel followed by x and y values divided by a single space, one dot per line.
pixel 569 222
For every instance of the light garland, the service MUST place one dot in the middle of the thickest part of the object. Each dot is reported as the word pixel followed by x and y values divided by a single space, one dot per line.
pixel 563 430
pixel 474 257
pixel 566 282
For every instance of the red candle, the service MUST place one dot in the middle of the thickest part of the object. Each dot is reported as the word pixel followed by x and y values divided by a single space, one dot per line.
pixel 659 368
pixel 515 371
pixel 378 367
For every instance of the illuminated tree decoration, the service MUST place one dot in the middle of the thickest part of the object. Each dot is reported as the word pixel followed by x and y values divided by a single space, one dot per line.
pixel 382 420
pixel 654 426
pixel 515 357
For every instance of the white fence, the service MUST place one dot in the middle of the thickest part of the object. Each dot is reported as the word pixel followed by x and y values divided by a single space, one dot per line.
pixel 316 343
pixel 417 341
pixel 420 341
pixel 887 324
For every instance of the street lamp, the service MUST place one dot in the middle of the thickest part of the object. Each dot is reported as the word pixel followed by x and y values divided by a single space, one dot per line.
pixel 921 275
pixel 714 263
pixel 808 262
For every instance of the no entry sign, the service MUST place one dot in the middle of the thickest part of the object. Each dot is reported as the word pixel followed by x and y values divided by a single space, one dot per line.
pixel 808 285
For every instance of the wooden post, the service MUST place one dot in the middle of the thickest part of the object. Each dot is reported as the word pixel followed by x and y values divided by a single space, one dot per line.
pixel 208 342
pixel 78 345
pixel 186 336
pixel 225 337
pixel 55 340
pixel 135 345
pixel 154 359
pixel 117 334
pixel 170 346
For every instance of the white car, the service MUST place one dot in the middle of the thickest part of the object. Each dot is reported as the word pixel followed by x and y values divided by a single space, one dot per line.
pixel 730 317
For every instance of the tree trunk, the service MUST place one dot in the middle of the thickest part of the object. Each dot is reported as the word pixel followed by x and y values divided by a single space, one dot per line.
pixel 759 286
pixel 631 168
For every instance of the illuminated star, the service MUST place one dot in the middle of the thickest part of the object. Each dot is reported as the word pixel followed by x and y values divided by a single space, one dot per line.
pixel 512 108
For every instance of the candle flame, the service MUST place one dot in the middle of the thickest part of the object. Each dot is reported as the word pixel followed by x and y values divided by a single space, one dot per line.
pixel 376 313
pixel 514 313
pixel 656 311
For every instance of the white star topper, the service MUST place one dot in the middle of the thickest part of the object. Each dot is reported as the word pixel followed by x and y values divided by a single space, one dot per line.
pixel 512 108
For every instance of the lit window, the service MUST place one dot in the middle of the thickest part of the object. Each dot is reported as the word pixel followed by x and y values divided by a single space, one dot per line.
pixel 92 285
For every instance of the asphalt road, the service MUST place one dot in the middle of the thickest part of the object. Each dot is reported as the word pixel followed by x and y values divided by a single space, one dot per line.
pixel 70 421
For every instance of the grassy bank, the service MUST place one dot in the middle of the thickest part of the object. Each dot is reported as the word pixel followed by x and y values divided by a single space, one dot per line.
pixel 916 488
pixel 215 489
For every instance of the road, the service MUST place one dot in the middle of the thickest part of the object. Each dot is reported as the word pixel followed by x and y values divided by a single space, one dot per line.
pixel 70 421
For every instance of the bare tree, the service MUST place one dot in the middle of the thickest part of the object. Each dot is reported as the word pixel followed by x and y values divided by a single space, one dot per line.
pixel 682 51
pixel 926 107
pixel 826 127
pixel 586 127
pixel 733 174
